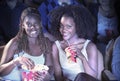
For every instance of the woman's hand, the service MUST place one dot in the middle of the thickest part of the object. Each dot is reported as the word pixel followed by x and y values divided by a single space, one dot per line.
pixel 41 75
pixel 77 49
pixel 24 61
pixel 80 55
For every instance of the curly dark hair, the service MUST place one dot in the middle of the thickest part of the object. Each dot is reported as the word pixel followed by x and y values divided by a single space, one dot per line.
pixel 84 21
pixel 23 43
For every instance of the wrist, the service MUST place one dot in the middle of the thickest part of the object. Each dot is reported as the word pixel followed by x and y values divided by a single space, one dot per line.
pixel 82 58
pixel 14 63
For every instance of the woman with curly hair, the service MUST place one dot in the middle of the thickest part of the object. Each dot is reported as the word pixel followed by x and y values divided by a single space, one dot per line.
pixel 28 48
pixel 74 52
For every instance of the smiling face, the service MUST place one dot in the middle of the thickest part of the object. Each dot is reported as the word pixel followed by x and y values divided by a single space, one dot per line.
pixel 67 28
pixel 31 24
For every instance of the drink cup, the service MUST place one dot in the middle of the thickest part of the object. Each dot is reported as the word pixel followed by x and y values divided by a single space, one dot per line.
pixel 71 54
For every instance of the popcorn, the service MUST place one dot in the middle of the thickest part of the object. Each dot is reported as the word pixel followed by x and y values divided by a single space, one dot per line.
pixel 28 75
pixel 71 55
pixel 38 67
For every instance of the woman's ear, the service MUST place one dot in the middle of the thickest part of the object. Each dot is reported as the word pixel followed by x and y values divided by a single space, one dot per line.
pixel 23 26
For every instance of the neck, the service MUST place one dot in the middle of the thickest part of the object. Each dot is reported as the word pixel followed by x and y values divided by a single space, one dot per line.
pixel 73 40
pixel 32 40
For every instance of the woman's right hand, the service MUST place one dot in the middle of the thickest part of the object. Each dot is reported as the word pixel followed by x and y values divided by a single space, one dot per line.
pixel 24 61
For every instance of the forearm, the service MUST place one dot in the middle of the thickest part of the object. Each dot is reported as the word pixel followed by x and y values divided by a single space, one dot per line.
pixel 88 69
pixel 50 73
pixel 7 68
pixel 58 75
pixel 51 70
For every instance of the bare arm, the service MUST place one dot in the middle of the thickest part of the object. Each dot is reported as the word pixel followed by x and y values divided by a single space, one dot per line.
pixel 57 67
pixel 90 66
pixel 6 63
pixel 49 63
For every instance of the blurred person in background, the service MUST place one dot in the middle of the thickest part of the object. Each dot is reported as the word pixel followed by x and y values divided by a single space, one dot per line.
pixel 107 23
pixel 10 11
pixel 116 59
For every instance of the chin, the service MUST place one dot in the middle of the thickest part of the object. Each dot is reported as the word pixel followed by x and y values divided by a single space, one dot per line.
pixel 65 38
pixel 33 36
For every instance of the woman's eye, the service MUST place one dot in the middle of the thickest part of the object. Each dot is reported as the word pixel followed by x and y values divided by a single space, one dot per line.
pixel 36 25
pixel 29 24
pixel 68 26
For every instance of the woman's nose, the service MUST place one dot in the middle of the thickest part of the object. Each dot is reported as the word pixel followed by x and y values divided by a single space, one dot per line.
pixel 31 27
pixel 64 28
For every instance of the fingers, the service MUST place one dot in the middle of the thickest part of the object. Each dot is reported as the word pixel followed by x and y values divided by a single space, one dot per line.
pixel 77 51
pixel 27 62
pixel 39 76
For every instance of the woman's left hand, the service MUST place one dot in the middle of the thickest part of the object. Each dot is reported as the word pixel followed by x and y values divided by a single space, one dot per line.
pixel 41 75
pixel 79 54
pixel 77 49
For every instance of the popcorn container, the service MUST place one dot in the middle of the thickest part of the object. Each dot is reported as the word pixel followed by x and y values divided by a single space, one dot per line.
pixel 28 75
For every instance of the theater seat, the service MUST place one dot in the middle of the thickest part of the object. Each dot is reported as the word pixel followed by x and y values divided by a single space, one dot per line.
pixel 107 72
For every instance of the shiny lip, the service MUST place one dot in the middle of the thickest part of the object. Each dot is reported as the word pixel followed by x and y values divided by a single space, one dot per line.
pixel 33 32
pixel 65 35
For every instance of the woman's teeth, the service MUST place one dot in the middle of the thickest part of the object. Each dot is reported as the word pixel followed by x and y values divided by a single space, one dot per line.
pixel 33 32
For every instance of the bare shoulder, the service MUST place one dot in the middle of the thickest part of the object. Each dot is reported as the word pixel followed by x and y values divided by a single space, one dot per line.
pixel 54 50
pixel 54 46
pixel 91 45
pixel 11 46
pixel 91 48
pixel 9 50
